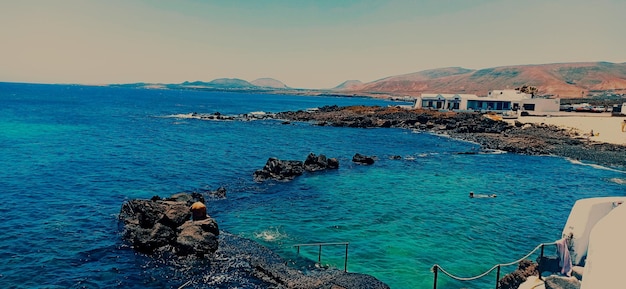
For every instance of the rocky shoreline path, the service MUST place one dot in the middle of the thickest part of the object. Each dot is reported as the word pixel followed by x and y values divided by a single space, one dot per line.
pixel 530 139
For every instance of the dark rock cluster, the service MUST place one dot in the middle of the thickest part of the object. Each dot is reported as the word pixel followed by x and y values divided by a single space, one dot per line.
pixel 286 170
pixel 165 225
pixel 362 159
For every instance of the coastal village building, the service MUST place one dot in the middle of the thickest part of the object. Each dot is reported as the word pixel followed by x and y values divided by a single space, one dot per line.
pixel 496 100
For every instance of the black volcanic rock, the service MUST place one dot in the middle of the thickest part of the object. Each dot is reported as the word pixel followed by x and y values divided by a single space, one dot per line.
pixel 287 170
pixel 279 170
pixel 362 159
pixel 158 225
pixel 317 163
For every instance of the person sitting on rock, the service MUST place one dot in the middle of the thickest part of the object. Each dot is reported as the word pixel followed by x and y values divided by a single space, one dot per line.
pixel 198 211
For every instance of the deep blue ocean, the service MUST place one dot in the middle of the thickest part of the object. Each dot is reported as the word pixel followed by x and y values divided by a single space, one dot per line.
pixel 70 156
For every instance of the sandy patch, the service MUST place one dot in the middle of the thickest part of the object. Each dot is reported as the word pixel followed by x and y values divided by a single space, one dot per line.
pixel 606 128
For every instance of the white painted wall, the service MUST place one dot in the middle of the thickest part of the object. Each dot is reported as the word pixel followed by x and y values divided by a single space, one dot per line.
pixel 606 256
pixel 582 218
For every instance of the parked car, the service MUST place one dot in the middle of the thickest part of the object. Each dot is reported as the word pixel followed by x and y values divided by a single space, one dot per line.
pixel 599 108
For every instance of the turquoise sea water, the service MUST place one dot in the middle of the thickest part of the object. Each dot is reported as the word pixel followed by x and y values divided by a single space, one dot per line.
pixel 71 155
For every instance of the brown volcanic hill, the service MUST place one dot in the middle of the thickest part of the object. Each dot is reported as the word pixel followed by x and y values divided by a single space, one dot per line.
pixel 565 80
pixel 349 85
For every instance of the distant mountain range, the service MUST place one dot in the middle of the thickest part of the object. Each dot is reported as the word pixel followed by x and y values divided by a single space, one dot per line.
pixel 564 80
pixel 235 84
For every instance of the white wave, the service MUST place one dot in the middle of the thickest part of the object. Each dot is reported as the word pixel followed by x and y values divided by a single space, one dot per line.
pixel 270 235
pixel 618 181
pixel 595 166
pixel 492 152
pixel 181 115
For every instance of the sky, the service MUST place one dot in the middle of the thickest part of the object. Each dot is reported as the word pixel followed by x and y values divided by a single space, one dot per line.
pixel 304 44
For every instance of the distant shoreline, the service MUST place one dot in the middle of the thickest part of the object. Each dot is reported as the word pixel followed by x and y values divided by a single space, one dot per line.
pixel 514 136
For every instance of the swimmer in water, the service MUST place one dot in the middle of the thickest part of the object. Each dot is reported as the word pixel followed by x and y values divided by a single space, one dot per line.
pixel 472 195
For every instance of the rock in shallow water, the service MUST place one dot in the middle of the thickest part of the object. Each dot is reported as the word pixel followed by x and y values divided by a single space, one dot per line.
pixel 158 225
pixel 287 170
pixel 361 159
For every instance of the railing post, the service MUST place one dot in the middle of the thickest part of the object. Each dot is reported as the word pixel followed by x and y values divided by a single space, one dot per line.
pixel 540 260
pixel 498 276
pixel 319 256
pixel 345 262
pixel 435 270
pixel 298 249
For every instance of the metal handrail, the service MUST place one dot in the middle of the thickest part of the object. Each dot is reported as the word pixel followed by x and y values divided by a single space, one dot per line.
pixel 437 268
pixel 319 255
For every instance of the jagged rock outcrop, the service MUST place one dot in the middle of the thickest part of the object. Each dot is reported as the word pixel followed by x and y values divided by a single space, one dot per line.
pixel 164 225
pixel 279 170
pixel 362 159
pixel 287 170
pixel 318 163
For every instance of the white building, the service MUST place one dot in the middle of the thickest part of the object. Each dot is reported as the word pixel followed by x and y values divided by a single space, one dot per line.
pixel 605 255
pixel 496 100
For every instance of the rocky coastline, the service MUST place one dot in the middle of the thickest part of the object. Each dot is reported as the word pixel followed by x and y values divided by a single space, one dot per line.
pixel 490 134
pixel 175 232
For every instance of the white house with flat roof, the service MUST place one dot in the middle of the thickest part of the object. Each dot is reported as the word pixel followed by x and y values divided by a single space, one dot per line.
pixel 496 100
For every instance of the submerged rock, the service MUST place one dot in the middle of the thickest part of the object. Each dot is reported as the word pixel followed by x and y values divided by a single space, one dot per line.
pixel 220 193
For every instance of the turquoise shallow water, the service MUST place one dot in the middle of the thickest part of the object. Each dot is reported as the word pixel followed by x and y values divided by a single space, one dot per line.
pixel 70 155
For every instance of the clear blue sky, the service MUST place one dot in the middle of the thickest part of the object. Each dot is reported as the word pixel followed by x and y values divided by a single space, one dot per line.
pixel 305 44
